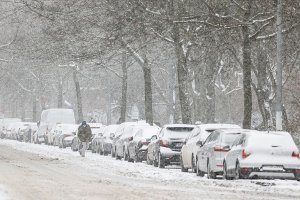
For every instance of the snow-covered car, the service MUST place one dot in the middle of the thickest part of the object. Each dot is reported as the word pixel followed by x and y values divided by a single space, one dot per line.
pixel 138 146
pixel 65 134
pixel 165 150
pixel 9 131
pixel 29 132
pixel 96 139
pixel 6 126
pixel 125 138
pixel 105 142
pixel 192 144
pixel 20 128
pixel 49 119
pixel 119 132
pixel 264 155
pixel 210 157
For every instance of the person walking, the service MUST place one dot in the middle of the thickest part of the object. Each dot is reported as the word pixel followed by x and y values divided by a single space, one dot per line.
pixel 85 136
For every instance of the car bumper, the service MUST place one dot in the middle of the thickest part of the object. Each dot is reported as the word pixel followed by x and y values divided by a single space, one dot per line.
pixel 171 157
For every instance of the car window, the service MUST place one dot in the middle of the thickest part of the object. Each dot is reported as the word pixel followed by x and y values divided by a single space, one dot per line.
pixel 212 137
pixel 153 138
pixel 161 134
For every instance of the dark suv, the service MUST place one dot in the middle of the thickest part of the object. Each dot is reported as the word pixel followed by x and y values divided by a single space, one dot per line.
pixel 165 150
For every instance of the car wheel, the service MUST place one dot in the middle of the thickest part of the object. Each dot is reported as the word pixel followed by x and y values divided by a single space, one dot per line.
pixel 193 164
pixel 210 173
pixel 112 153
pixel 155 162
pixel 198 171
pixel 225 174
pixel 161 161
pixel 237 174
pixel 149 162
pixel 183 169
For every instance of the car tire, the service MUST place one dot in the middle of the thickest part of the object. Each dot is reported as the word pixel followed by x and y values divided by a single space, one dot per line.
pixel 125 156
pixel 161 161
pixel 198 171
pixel 193 164
pixel 183 169
pixel 149 162
pixel 237 174
pixel 210 173
pixel 112 153
pixel 225 174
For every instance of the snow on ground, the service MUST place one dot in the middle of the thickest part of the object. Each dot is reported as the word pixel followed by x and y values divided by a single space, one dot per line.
pixel 141 172
pixel 3 193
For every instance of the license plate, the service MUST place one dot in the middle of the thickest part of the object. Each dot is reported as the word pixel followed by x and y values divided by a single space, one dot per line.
pixel 272 168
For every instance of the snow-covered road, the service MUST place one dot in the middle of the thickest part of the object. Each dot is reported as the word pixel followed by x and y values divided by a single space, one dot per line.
pixel 29 171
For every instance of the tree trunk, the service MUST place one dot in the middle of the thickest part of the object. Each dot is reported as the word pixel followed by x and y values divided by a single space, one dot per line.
pixel 279 67
pixel 247 72
pixel 124 88
pixel 78 95
pixel 148 93
pixel 34 108
pixel 108 92
pixel 60 93
pixel 182 70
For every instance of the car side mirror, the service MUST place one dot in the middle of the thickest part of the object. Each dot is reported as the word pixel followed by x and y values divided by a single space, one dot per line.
pixel 199 143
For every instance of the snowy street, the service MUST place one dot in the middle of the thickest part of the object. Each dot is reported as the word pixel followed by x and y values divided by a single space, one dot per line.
pixel 29 171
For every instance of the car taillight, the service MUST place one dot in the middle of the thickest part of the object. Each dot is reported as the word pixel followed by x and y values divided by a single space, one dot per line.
pixel 221 149
pixel 295 154
pixel 163 143
pixel 245 154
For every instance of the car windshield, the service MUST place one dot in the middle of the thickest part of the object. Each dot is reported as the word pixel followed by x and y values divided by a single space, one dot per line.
pixel 178 132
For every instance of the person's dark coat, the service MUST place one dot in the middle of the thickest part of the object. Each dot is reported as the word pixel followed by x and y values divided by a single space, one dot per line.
pixel 84 133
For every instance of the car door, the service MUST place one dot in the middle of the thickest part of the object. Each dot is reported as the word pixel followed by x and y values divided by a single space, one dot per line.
pixel 185 149
pixel 208 150
pixel 235 151
pixel 201 153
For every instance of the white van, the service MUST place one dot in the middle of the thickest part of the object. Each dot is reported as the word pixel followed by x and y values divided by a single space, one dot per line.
pixel 49 119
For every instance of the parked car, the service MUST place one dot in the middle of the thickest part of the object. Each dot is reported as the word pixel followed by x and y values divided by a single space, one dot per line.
pixel 9 131
pixel 49 119
pixel 264 155
pixel 96 140
pixel 138 146
pixel 119 132
pixel 105 142
pixel 29 132
pixel 210 157
pixel 66 134
pixel 125 138
pixel 165 150
pixel 20 128
pixel 4 123
pixel 192 144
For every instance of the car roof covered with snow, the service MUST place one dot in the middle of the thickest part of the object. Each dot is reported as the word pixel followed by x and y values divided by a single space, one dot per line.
pixel 218 126
pixel 179 125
